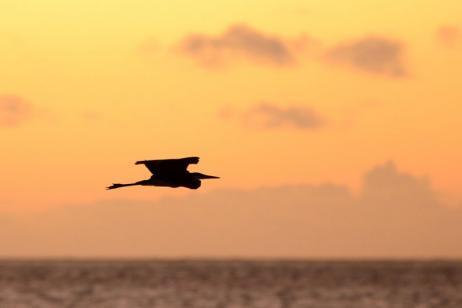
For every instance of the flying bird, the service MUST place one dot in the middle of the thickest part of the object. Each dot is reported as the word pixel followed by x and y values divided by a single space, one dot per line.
pixel 170 173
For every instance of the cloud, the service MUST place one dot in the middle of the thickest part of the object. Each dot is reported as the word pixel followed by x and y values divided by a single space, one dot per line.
pixel 394 215
pixel 372 54
pixel 14 110
pixel 376 55
pixel 385 183
pixel 449 35
pixel 240 41
pixel 271 116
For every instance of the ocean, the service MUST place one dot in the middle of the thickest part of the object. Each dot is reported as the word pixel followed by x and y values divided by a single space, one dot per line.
pixel 196 283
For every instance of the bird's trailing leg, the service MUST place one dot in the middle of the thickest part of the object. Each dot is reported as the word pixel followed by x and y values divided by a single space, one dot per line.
pixel 114 186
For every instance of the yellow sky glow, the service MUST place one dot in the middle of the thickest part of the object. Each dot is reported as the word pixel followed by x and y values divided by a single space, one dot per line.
pixel 108 85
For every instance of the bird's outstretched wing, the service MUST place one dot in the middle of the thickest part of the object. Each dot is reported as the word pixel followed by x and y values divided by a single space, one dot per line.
pixel 168 166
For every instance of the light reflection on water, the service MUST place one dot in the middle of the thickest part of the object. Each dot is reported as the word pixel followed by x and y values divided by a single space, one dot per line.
pixel 229 284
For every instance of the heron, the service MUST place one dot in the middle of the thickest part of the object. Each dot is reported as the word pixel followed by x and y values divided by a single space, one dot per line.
pixel 170 173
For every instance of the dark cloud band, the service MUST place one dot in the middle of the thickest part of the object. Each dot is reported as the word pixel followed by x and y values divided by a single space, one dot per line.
pixel 395 214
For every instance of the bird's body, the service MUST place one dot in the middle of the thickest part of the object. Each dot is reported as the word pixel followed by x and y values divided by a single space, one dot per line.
pixel 170 173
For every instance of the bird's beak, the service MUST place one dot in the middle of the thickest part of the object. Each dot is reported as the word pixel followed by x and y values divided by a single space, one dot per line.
pixel 205 176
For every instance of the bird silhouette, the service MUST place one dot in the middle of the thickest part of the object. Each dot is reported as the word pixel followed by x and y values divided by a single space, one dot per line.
pixel 170 173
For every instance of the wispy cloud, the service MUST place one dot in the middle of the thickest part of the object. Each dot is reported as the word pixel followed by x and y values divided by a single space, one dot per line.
pixel 373 54
pixel 377 55
pixel 14 110
pixel 268 115
pixel 241 41
pixel 395 214
pixel 271 116
pixel 449 35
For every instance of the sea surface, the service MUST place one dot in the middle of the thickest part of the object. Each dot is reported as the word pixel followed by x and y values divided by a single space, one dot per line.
pixel 204 284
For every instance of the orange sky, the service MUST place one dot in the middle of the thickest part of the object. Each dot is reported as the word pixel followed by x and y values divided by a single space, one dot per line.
pixel 268 93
